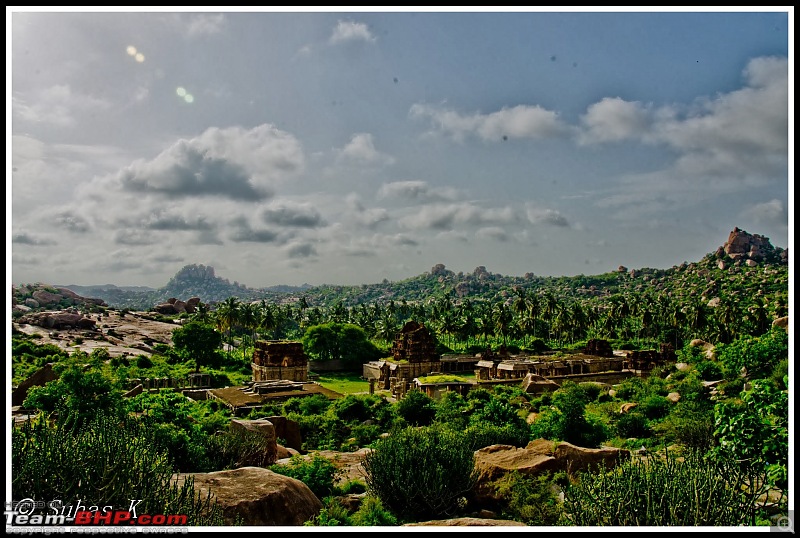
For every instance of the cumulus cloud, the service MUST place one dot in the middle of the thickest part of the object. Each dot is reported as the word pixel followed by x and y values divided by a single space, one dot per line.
pixel 231 163
pixel 542 215
pixel 416 191
pixel 301 250
pixel 612 120
pixel 351 31
pixel 361 150
pixel 293 214
pixel 494 233
pixel 445 217
pixel 522 121
pixel 740 133
pixel 771 212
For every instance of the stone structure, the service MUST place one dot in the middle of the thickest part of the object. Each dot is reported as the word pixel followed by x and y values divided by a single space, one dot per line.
pixel 600 348
pixel 413 355
pixel 414 344
pixel 277 359
pixel 645 360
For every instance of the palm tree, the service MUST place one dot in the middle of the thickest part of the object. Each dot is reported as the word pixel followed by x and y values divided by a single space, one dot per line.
pixel 248 317
pixel 229 312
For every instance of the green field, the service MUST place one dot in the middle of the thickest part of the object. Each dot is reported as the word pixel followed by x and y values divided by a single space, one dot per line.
pixel 343 382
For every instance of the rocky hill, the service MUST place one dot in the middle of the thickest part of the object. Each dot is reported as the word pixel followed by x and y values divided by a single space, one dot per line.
pixel 744 260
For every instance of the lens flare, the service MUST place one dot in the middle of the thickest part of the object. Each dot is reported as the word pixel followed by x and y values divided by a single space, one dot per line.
pixel 139 57
pixel 188 97
pixel 131 50
pixel 181 91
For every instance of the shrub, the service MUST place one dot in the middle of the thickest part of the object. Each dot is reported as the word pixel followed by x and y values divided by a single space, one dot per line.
pixel 529 499
pixel 372 513
pixel 144 362
pixel 240 448
pixel 421 473
pixel 632 425
pixel 104 462
pixel 481 435
pixel 655 407
pixel 416 408
pixel 318 473
pixel 663 490
pixel 708 370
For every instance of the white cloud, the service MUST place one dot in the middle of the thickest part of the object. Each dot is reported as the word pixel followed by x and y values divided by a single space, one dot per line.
pixel 351 31
pixel 522 121
pixel 417 191
pixel 361 150
pixel 542 215
pixel 57 105
pixel 771 212
pixel 231 163
pixel 612 120
pixel 446 217
pixel 200 25
pixel 493 233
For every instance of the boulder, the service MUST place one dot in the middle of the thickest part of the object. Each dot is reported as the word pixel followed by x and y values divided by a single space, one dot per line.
pixel 627 408
pixel 576 459
pixel 288 430
pixel 258 496
pixel 782 323
pixel 269 447
pixel 494 462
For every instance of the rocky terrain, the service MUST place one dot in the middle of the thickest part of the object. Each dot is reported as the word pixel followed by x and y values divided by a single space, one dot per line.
pixel 133 333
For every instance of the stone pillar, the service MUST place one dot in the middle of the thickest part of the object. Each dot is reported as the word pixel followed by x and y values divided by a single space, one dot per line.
pixel 372 386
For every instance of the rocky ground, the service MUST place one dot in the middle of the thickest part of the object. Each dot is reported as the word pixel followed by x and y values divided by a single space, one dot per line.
pixel 132 334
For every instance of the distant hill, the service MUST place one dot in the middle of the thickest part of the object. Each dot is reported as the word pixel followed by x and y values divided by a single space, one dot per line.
pixel 750 256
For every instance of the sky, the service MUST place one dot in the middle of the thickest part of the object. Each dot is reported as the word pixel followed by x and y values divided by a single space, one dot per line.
pixel 349 147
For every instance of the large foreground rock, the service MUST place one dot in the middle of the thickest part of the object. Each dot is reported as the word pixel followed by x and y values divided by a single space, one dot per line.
pixel 258 496
pixel 539 456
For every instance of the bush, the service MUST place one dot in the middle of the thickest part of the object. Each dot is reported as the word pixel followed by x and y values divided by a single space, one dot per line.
pixel 632 425
pixel 481 435
pixel 663 490
pixel 240 448
pixel 104 462
pixel 421 473
pixel 318 473
pixel 529 499
pixel 708 370
pixel 416 408
pixel 655 407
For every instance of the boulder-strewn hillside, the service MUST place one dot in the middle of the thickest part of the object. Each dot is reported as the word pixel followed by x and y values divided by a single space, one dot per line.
pixel 33 297
pixel 745 263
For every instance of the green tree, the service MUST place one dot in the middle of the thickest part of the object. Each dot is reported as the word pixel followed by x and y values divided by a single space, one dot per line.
pixel 339 341
pixel 199 342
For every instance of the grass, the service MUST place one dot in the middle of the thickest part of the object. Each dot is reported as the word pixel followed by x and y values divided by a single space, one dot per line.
pixel 343 382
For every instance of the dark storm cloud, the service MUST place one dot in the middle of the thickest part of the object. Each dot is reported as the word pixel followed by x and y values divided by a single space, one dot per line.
pixel 301 250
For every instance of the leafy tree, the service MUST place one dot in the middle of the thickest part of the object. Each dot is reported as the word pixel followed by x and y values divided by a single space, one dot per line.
pixel 757 355
pixel 755 430
pixel 199 342
pixel 76 394
pixel 339 341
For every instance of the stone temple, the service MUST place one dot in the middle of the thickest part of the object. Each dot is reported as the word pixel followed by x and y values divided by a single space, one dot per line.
pixel 278 359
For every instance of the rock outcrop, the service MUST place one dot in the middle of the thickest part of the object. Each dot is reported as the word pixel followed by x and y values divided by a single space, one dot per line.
pixel 258 496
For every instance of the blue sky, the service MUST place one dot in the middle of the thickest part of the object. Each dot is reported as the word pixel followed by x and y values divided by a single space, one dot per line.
pixel 347 147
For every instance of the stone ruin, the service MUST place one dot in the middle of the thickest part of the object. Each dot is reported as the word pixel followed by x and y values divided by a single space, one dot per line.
pixel 414 344
pixel 648 359
pixel 599 348
pixel 278 359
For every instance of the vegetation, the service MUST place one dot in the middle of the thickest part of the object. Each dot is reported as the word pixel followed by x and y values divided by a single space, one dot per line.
pixel 724 414
pixel 421 473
